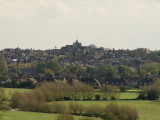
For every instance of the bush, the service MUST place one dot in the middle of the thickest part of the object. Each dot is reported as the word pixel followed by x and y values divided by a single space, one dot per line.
pixel 46 90
pixel 123 89
pixel 58 107
pixel 95 111
pixel 115 112
pixel 142 96
pixel 150 92
pixel 4 107
pixel 88 118
pixel 3 100
pixel 17 100
pixel 153 94
pixel 97 97
pixel 76 108
pixel 128 113
pixel 30 101
pixel 109 92
pixel 65 117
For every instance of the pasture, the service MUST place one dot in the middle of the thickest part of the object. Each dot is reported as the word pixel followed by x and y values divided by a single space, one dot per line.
pixel 10 91
pixel 148 110
pixel 20 115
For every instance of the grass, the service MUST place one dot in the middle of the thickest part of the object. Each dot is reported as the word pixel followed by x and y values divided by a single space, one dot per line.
pixel 123 95
pixel 19 115
pixel 148 110
pixel 133 90
pixel 128 95
pixel 10 91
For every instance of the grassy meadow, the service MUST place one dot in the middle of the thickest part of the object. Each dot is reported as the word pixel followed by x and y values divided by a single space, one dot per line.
pixel 20 115
pixel 9 91
pixel 148 110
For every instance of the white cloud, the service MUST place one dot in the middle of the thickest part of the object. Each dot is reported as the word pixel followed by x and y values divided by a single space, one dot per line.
pixel 92 19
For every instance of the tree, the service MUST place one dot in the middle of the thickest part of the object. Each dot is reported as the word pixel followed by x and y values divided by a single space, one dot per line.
pixel 75 70
pixel 76 108
pixel 124 70
pixel 54 66
pixel 48 67
pixel 40 67
pixel 115 112
pixel 106 70
pixel 151 92
pixel 3 100
pixel 150 68
pixel 109 92
pixel 92 70
pixel 3 64
pixel 92 46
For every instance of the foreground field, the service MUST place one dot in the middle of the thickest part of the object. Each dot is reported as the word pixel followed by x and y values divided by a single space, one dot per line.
pixel 148 110
pixel 19 115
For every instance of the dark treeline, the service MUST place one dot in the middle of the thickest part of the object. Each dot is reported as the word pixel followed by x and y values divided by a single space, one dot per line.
pixel 116 75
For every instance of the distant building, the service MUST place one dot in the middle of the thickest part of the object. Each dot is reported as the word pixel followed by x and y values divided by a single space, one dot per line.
pixel 68 48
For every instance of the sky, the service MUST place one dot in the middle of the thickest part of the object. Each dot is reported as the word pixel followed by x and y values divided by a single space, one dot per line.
pixel 44 24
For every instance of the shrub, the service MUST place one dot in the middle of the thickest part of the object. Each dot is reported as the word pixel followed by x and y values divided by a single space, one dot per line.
pixel 97 97
pixel 76 108
pixel 94 110
pixel 17 99
pixel 3 100
pixel 123 89
pixel 30 101
pixel 88 118
pixel 150 92
pixel 115 112
pixel 4 107
pixel 58 107
pixel 128 113
pixel 109 92
pixel 65 117
pixel 46 90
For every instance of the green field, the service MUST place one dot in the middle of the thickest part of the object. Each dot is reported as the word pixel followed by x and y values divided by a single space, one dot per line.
pixel 148 110
pixel 133 90
pixel 19 115
pixel 128 95
pixel 10 91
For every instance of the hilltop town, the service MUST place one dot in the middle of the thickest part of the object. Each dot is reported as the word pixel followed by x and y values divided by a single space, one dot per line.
pixel 79 62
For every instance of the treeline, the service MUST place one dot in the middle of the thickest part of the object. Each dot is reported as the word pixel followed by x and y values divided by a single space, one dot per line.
pixel 151 92
pixel 36 101
pixel 111 111
pixel 62 90
pixel 100 70
pixel 105 73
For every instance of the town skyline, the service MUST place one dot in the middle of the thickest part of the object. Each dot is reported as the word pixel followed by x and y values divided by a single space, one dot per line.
pixel 77 40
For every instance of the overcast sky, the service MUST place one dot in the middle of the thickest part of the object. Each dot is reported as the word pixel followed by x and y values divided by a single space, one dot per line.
pixel 44 24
